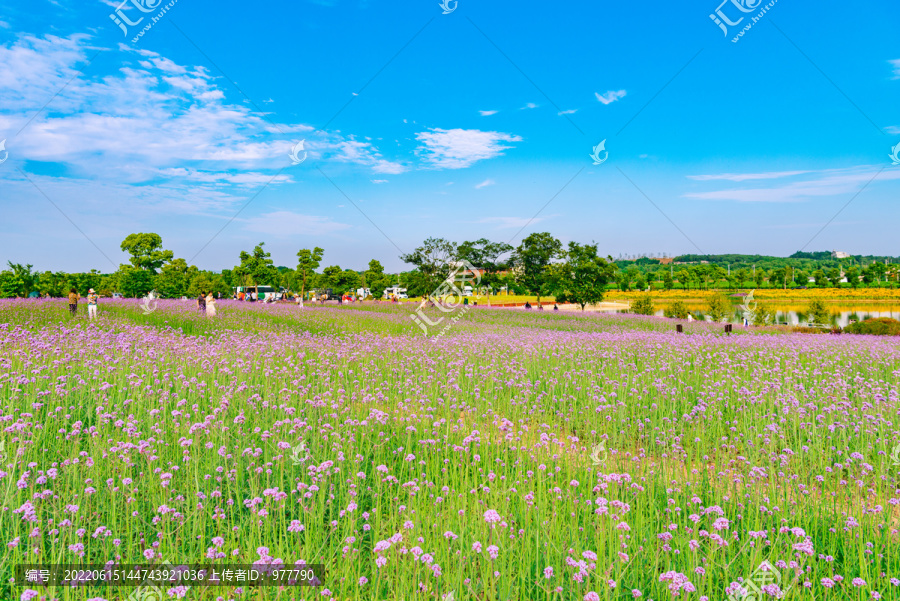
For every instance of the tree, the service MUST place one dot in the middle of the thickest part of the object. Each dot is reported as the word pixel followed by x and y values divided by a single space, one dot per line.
pixel 760 277
pixel 257 269
pixel 133 281
pixel 643 305
pixel 307 263
pixel 684 277
pixel 206 282
pixel 817 313
pixel 532 258
pixel 485 255
pixel 718 307
pixel 676 309
pixel 668 284
pixel 716 274
pixel 173 280
pixel 434 260
pixel 819 277
pixel 331 276
pixel 11 285
pixel 375 279
pixel 146 251
pixel 853 277
pixel 25 275
pixel 834 276
pixel 583 276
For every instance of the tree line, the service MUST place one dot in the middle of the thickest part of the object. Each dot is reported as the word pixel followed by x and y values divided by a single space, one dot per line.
pixel 540 265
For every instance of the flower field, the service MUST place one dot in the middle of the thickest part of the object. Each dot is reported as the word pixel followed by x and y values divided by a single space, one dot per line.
pixel 523 455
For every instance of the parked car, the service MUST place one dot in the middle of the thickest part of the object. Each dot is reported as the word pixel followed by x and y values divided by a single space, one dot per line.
pixel 117 295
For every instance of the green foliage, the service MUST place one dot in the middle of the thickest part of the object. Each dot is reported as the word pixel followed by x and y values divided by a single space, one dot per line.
pixel 582 278
pixel 668 282
pixel 817 312
pixel 207 282
pixel 643 305
pixel 718 307
pixel 532 261
pixel 881 326
pixel 257 269
pixel 676 310
pixel 763 316
pixel 146 251
pixel 432 260
pixel 134 282
pixel 24 275
pixel 11 285
pixel 174 278
pixel 307 263
pixel 483 253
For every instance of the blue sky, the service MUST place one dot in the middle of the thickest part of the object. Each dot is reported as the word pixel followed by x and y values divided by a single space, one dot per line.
pixel 476 123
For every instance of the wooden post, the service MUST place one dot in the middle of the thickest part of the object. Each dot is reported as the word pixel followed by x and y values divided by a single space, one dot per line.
pixel 679 329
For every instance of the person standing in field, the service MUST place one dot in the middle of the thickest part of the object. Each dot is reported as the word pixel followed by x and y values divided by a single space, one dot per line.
pixel 210 305
pixel 73 302
pixel 92 299
pixel 201 302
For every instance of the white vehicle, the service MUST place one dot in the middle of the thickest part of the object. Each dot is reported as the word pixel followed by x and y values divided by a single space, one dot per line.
pixel 395 291
pixel 363 293
pixel 264 293
pixel 467 291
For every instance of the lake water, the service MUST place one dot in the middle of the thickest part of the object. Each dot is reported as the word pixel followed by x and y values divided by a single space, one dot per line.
pixel 842 313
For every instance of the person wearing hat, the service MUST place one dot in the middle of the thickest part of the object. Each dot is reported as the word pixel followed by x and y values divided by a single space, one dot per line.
pixel 92 299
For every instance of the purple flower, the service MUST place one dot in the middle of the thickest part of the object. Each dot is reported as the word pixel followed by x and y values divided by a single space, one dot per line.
pixel 491 516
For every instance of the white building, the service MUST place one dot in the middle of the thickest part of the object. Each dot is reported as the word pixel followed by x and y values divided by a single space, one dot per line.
pixel 839 254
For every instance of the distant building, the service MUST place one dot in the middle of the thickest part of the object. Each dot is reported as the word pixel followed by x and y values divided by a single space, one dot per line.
pixel 839 254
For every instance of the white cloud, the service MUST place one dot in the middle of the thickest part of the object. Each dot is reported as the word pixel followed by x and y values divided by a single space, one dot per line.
pixel 510 222
pixel 379 181
pixel 487 113
pixel 830 182
pixel 485 183
pixel 460 148
pixel 896 64
pixel 892 129
pixel 569 112
pixel 739 177
pixel 151 121
pixel 610 96
pixel 529 105
pixel 365 153
pixel 288 223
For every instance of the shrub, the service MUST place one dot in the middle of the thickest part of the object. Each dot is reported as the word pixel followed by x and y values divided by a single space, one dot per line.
pixel 718 307
pixel 763 316
pixel 643 305
pixel 818 312
pixel 881 326
pixel 806 330
pixel 677 310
